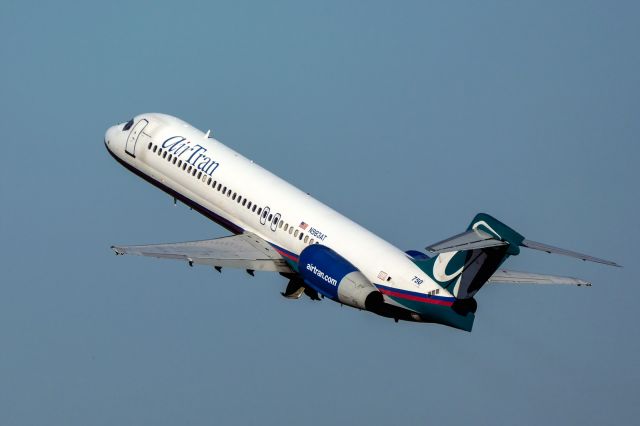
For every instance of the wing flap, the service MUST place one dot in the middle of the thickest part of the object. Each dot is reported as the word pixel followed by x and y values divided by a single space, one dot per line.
pixel 504 276
pixel 245 251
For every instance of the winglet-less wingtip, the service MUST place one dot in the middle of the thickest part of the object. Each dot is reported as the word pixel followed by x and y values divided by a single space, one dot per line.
pixel 117 250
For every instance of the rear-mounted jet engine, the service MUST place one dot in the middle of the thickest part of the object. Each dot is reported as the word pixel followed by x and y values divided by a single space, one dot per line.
pixel 334 277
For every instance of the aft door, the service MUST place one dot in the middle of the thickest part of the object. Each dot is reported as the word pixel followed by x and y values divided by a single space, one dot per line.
pixel 130 148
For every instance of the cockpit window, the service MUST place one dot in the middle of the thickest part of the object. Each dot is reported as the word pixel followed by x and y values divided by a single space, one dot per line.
pixel 128 125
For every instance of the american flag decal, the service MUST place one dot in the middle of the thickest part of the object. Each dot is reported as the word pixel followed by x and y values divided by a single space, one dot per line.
pixel 304 225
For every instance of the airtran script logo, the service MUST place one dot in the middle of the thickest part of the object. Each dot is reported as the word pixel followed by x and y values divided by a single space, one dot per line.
pixel 193 154
pixel 322 275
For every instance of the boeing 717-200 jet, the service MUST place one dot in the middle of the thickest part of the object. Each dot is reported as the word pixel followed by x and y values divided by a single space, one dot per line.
pixel 277 227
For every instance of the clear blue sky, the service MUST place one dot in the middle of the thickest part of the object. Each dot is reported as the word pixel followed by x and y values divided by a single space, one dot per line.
pixel 409 117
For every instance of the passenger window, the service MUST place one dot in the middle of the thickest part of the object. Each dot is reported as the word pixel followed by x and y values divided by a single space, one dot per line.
pixel 199 175
pixel 244 202
pixel 149 147
pixel 274 223
pixel 184 166
pixel 224 190
pixel 265 213
pixel 286 226
pixel 301 234
pixel 159 151
pixel 239 198
pixel 311 241
pixel 155 148
pixel 174 160
pixel 290 229
pixel 170 157
pixel 189 170
pixel 234 196
pixel 295 234
pixel 270 217
pixel 204 178
pixel 280 224
pixel 229 192
pixel 164 154
pixel 219 185
pixel 194 172
pixel 209 181
pixel 306 239
pixel 249 205
pixel 253 209
pixel 259 211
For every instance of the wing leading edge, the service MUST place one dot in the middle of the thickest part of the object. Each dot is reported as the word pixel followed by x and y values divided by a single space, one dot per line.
pixel 244 251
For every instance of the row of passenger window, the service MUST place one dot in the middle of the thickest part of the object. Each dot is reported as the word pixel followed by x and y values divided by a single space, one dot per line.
pixel 264 215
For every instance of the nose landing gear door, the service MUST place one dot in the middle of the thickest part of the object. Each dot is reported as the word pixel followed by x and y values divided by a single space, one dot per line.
pixel 130 148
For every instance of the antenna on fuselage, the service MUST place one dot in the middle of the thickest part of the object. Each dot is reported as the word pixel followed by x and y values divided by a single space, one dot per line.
pixel 206 136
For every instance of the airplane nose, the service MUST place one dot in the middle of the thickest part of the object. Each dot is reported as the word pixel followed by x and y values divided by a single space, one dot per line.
pixel 108 135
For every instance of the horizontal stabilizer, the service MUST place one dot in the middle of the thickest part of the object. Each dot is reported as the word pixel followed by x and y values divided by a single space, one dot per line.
pixel 503 276
pixel 551 249
pixel 470 240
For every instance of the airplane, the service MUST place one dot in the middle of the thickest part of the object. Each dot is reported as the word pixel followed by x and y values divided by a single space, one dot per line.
pixel 279 228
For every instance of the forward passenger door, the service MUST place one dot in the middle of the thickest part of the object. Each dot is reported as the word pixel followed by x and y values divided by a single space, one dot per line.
pixel 132 140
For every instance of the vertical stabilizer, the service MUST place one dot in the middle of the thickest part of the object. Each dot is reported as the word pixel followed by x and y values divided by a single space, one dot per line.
pixel 465 263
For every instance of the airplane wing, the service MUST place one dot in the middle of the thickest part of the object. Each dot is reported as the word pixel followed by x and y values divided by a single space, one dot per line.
pixel 244 251
pixel 504 276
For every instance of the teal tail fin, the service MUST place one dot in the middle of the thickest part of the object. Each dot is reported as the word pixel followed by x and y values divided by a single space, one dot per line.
pixel 466 261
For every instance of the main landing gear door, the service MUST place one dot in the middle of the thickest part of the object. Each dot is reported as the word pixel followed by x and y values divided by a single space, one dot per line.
pixel 130 148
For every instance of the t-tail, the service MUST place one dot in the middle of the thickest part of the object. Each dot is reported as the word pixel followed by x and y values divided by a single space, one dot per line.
pixel 465 262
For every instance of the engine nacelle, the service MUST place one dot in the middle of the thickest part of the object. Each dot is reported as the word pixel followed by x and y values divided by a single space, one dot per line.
pixel 334 277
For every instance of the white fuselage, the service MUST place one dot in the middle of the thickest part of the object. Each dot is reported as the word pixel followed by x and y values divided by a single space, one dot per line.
pixel 247 184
